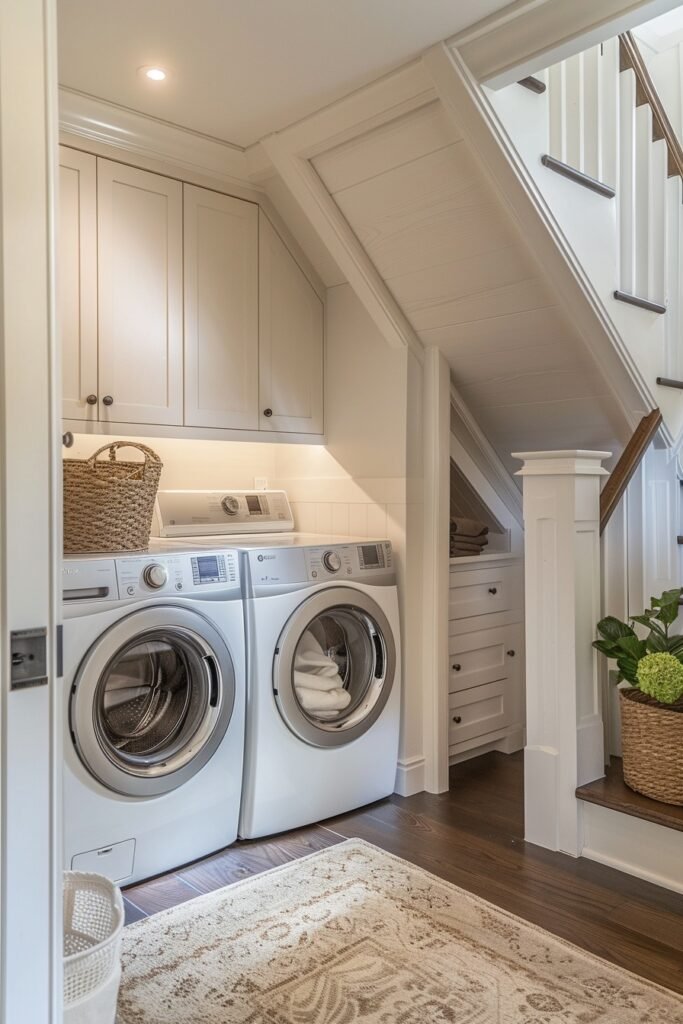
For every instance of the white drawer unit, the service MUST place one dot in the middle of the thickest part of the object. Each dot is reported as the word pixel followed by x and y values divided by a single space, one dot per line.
pixel 486 658
pixel 477 712
pixel 476 593
pixel 482 657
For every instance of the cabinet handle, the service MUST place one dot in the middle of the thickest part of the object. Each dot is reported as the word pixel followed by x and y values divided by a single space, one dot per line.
pixel 457 719
pixel 492 590
pixel 456 667
pixel 510 654
pixel 107 400
pixel 268 412
pixel 91 399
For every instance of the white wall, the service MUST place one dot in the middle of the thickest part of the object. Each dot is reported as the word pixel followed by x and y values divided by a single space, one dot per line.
pixel 666 71
pixel 366 482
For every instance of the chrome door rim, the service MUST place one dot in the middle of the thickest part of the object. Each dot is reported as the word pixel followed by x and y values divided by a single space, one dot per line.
pixel 131 778
pixel 366 711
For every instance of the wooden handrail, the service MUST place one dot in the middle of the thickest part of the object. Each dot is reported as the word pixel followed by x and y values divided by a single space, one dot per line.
pixel 631 57
pixel 630 459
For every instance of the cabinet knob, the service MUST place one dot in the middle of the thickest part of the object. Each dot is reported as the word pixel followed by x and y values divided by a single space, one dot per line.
pixel 91 399
pixel 457 719
pixel 456 667
pixel 510 654
pixel 268 412
pixel 107 400
pixel 492 590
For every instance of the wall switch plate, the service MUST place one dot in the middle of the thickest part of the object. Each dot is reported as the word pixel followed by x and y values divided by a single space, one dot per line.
pixel 261 483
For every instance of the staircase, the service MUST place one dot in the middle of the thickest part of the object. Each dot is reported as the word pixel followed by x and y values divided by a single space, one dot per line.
pixel 598 144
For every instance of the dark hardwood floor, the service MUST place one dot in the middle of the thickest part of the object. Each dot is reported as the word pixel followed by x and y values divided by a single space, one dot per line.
pixel 472 836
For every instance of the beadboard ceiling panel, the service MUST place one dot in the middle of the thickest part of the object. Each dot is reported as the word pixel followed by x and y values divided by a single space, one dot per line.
pixel 462 274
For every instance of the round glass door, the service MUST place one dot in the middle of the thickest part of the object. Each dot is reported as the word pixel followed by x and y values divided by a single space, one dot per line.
pixel 334 668
pixel 152 700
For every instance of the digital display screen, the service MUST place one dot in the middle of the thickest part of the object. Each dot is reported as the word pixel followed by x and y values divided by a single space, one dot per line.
pixel 371 557
pixel 254 505
pixel 208 569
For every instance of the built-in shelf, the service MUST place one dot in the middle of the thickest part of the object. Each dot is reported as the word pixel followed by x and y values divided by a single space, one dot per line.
pixel 492 556
pixel 613 792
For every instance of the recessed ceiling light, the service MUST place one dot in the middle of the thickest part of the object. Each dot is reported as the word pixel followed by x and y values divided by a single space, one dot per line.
pixel 154 74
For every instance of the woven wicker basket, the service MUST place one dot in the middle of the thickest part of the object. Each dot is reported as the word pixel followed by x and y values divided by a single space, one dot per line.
pixel 108 506
pixel 652 747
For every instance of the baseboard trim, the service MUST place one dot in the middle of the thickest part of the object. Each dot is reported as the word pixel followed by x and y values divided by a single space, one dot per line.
pixel 636 847
pixel 410 776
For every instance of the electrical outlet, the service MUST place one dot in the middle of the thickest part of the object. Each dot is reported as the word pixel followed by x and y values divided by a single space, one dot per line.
pixel 261 483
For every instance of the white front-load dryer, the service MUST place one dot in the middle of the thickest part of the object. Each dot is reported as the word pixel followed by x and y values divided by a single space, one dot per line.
pixel 154 691
pixel 331 609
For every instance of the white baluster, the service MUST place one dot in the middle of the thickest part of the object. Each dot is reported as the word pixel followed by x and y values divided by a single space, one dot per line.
pixel 656 284
pixel 626 187
pixel 608 113
pixel 642 199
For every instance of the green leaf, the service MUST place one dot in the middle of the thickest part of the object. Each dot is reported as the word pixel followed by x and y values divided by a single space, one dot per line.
pixel 606 647
pixel 632 646
pixel 613 629
pixel 675 646
pixel 627 668
pixel 649 623
pixel 668 606
pixel 657 642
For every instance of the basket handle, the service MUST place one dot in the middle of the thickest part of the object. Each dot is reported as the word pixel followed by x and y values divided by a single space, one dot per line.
pixel 150 456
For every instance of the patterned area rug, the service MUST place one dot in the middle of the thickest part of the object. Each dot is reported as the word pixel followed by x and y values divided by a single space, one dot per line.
pixel 354 934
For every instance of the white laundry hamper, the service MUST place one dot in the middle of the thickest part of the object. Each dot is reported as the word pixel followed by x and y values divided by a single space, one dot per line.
pixel 93 922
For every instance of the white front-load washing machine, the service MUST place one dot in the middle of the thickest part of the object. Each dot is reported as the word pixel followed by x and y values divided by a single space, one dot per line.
pixel 154 691
pixel 323 657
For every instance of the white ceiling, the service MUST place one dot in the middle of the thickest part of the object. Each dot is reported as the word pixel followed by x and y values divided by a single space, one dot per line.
pixel 240 69
pixel 662 33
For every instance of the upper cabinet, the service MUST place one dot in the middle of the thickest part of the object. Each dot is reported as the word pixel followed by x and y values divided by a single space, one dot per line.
pixel 77 282
pixel 181 307
pixel 221 310
pixel 140 275
pixel 291 340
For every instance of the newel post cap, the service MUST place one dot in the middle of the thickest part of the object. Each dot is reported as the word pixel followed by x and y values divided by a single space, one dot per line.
pixel 569 462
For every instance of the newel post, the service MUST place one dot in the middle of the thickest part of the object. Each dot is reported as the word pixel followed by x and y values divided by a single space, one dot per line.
pixel 564 745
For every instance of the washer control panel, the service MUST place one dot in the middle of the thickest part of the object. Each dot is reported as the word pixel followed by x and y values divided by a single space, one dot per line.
pixel 284 566
pixel 146 575
pixel 355 561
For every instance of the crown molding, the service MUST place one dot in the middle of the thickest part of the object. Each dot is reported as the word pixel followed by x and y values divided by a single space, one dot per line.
pixel 109 124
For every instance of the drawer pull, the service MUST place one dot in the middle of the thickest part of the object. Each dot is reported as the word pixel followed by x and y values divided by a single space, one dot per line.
pixel 457 719
pixel 456 667
pixel 510 654
pixel 493 590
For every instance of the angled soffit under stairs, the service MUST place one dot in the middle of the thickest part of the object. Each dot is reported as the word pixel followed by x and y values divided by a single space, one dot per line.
pixel 410 205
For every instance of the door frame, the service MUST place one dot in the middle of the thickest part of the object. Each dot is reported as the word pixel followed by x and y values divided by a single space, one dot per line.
pixel 30 518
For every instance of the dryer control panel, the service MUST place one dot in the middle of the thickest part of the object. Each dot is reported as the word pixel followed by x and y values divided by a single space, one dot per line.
pixel 221 513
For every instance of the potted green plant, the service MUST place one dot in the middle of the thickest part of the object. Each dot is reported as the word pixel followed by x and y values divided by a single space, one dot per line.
pixel 652 704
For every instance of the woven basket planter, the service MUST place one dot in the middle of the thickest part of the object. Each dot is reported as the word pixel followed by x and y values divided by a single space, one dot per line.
pixel 108 506
pixel 652 747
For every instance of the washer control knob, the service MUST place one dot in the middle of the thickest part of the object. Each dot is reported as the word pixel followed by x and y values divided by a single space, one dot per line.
pixel 332 561
pixel 230 505
pixel 155 575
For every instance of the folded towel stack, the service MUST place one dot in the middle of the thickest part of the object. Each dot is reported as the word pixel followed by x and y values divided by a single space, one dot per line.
pixel 468 537
pixel 318 685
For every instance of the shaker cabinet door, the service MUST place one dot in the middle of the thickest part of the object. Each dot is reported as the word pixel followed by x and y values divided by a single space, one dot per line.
pixel 291 340
pixel 77 282
pixel 221 310
pixel 140 273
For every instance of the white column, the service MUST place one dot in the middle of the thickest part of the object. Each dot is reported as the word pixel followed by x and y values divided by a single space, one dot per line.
pixel 562 582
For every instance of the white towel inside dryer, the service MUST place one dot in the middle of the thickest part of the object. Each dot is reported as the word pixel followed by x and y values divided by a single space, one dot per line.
pixel 317 682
